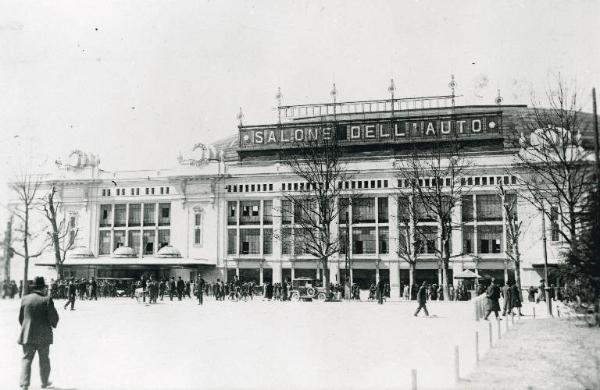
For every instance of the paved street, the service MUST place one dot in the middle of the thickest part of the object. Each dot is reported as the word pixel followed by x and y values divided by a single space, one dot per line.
pixel 120 344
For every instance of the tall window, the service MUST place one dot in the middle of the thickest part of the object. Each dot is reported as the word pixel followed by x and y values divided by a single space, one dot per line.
pixel 135 240
pixel 286 241
pixel 344 210
pixel 250 212
pixel 426 240
pixel 511 200
pixel 198 228
pixel 118 239
pixel 231 241
pixel 249 241
pixel 232 213
pixel 268 212
pixel 363 240
pixel 268 241
pixel 149 214
pixel 149 238
pixel 164 216
pixel 120 214
pixel 468 239
pixel 106 215
pixel 164 237
pixel 72 229
pixel 135 211
pixel 467 208
pixel 104 248
pixel 490 239
pixel 383 240
pixel 363 210
pixel 286 212
pixel 382 210
pixel 489 208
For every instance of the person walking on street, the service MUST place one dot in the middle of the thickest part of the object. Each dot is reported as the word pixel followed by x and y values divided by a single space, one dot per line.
pixel 493 296
pixel 380 292
pixel 507 308
pixel 161 288
pixel 422 299
pixel 71 294
pixel 515 298
pixel 37 317
pixel 94 292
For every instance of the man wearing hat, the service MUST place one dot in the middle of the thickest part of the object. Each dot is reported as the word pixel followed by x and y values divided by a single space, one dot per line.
pixel 37 318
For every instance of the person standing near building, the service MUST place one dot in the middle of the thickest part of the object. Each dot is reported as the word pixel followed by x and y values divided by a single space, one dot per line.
pixel 507 300
pixel 380 292
pixel 172 287
pixel 422 299
pixel 515 297
pixel 180 288
pixel 94 290
pixel 71 294
pixel 37 317
pixel 188 289
pixel 162 286
pixel 493 296
pixel 541 292
pixel 199 290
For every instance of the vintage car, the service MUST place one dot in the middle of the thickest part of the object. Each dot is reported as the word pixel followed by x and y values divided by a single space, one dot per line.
pixel 306 288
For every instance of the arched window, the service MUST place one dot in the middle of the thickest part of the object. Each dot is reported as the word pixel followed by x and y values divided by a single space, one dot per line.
pixel 198 217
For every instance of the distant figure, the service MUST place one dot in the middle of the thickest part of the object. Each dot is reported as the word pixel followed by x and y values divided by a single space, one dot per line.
pixel 71 294
pixel 531 294
pixel 172 287
pixel 200 290
pixel 515 298
pixel 162 286
pixel 541 292
pixel 380 292
pixel 422 299
pixel 506 292
pixel 37 318
pixel 180 288
pixel 94 292
pixel 493 296
pixel 406 293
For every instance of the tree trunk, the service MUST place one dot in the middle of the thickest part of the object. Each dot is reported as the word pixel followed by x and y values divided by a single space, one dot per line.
pixel 517 261
pixel 411 275
pixel 57 257
pixel 25 251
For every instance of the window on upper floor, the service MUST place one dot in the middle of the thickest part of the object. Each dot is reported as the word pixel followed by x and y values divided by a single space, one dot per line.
pixel 363 210
pixel 268 212
pixel 489 208
pixel 554 224
pixel 467 208
pixel 164 216
pixel 120 214
pixel 198 228
pixel 232 213
pixel 250 212
pixel 382 210
pixel 363 240
pixel 135 214
pixel 149 214
pixel 249 241
pixel 489 239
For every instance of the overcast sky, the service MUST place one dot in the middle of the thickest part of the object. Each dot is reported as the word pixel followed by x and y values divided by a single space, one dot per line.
pixel 138 81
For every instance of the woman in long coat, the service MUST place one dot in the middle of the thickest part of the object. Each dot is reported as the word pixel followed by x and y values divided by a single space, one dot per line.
pixel 493 295
pixel 515 298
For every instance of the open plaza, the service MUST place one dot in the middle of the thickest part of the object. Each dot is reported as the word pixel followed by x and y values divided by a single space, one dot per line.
pixel 118 343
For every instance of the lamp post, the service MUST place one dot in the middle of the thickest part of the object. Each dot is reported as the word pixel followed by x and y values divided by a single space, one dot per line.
pixel 546 284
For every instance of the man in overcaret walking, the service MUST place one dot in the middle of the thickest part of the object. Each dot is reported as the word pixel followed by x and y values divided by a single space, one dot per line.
pixel 37 318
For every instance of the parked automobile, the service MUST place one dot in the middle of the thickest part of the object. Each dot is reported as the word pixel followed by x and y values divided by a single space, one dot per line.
pixel 306 288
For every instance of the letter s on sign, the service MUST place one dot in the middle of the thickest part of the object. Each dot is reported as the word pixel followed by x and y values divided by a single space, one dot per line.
pixel 258 137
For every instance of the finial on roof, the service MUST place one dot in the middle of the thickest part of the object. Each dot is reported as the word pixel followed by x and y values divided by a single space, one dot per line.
pixel 240 117
pixel 499 99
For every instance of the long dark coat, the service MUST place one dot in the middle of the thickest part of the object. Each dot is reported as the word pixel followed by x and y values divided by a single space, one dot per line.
pixel 493 295
pixel 37 318
pixel 515 296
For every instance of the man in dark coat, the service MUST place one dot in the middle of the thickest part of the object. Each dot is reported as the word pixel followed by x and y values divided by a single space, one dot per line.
pixel 506 292
pixel 172 287
pixel 515 298
pixel 380 292
pixel 180 288
pixel 422 299
pixel 200 290
pixel 94 292
pixel 37 318
pixel 493 296
pixel 161 288
pixel 71 294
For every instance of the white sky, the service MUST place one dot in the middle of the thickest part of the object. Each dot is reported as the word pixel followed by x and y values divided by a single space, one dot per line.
pixel 138 81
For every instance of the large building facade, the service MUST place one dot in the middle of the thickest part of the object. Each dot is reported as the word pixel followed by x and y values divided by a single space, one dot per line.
pixel 224 209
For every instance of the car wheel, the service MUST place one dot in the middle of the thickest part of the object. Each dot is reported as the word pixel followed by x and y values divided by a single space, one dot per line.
pixel 321 296
pixel 295 296
pixel 310 292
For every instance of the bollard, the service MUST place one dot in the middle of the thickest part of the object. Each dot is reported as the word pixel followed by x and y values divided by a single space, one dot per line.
pixel 490 329
pixel 558 310
pixel 456 365
pixel 534 313
pixel 512 319
pixel 499 330
pixel 413 379
pixel 476 347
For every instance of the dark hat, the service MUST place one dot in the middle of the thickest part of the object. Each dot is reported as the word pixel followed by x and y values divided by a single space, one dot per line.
pixel 39 282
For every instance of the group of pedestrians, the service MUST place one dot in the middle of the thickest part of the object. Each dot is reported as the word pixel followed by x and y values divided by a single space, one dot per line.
pixel 9 289
pixel 511 295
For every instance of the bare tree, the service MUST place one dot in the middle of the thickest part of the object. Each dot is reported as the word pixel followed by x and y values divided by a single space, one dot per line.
pixel 62 234
pixel 319 166
pixel 557 166
pixel 407 230
pixel 434 175
pixel 513 229
pixel 26 187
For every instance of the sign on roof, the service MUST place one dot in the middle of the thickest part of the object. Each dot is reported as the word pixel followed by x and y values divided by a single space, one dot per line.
pixel 374 131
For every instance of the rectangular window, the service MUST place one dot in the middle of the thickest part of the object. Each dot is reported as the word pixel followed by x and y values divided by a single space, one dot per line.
pixel 164 214
pixel 104 248
pixel 267 241
pixel 149 214
pixel 383 240
pixel 363 210
pixel 231 241
pixel 286 212
pixel 120 213
pixel 467 208
pixel 268 212
pixel 490 239
pixel 343 239
pixel 198 229
pixel 403 239
pixel 135 214
pixel 426 240
pixel 118 239
pixel 489 208
pixel 232 213
pixel 424 213
pixel 344 210
pixel 511 207
pixel 249 241
pixel 286 241
pixel 468 239
pixel 164 237
pixel 382 210
pixel 135 240
pixel 363 240
pixel 250 212
pixel 149 238
pixel 403 209
pixel 554 227
pixel 105 215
